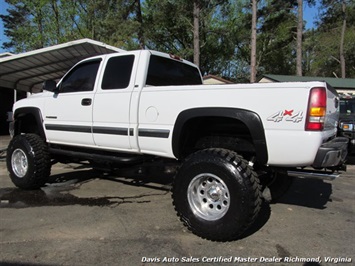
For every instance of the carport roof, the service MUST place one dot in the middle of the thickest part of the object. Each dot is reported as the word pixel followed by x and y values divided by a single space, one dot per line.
pixel 28 70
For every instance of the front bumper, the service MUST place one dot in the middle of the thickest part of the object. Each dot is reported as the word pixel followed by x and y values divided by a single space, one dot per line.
pixel 332 153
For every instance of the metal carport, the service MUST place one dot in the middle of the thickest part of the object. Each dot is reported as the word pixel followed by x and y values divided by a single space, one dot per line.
pixel 27 71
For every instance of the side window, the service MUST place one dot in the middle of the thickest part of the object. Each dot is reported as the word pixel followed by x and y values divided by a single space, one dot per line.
pixel 166 72
pixel 81 78
pixel 118 72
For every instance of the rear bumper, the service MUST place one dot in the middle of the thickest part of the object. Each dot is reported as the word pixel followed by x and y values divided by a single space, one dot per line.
pixel 332 153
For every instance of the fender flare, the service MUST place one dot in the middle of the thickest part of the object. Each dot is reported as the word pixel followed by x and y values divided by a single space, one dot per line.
pixel 251 119
pixel 35 112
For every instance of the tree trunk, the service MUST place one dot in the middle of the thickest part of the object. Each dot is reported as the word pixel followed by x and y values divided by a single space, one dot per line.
pixel 342 57
pixel 56 21
pixel 253 43
pixel 196 31
pixel 140 20
pixel 40 29
pixel 299 37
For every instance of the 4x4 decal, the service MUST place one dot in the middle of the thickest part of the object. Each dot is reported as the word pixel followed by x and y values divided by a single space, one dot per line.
pixel 288 115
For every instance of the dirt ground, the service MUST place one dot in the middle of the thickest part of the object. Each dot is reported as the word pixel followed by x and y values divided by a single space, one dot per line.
pixel 83 217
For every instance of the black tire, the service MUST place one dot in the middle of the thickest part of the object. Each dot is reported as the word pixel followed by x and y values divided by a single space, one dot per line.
pixel 28 161
pixel 216 194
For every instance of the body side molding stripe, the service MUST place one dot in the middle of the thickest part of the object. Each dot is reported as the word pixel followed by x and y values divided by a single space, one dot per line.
pixel 82 129
pixel 111 130
pixel 143 132
pixel 154 133
pixel 131 132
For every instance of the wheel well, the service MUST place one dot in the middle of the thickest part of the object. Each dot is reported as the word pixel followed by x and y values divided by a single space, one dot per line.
pixel 28 120
pixel 216 132
pixel 26 123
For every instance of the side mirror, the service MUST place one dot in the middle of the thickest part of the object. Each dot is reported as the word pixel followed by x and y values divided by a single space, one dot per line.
pixel 50 85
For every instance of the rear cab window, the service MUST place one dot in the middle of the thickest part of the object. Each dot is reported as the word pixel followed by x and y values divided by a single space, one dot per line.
pixel 163 71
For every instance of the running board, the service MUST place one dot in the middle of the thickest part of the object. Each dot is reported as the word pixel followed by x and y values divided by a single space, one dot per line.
pixel 314 174
pixel 115 158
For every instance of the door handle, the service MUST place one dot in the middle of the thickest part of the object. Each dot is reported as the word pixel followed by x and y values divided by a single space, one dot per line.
pixel 86 102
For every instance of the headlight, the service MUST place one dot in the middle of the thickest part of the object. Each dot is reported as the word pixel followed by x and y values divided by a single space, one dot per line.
pixel 346 126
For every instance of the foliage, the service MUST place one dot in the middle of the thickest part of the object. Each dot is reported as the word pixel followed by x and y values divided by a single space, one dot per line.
pixel 324 43
pixel 33 24
pixel 276 40
pixel 167 25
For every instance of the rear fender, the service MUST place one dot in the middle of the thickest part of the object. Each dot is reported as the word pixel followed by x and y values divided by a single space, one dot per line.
pixel 249 118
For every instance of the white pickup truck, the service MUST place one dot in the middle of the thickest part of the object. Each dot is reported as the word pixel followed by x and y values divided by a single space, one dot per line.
pixel 231 141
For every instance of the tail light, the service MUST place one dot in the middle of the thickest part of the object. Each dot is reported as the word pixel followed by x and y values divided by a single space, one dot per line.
pixel 317 107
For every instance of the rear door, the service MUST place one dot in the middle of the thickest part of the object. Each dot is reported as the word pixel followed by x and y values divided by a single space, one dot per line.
pixel 112 103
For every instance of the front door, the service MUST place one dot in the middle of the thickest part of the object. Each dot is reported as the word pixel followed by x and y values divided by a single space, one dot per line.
pixel 68 114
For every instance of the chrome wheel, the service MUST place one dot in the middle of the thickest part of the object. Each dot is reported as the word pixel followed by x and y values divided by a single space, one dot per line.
pixel 28 161
pixel 216 194
pixel 19 163
pixel 208 196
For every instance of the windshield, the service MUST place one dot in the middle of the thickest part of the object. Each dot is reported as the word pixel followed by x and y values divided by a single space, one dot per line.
pixel 347 106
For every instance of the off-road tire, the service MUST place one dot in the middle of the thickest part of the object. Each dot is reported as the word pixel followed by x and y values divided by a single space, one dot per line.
pixel 28 161
pixel 216 194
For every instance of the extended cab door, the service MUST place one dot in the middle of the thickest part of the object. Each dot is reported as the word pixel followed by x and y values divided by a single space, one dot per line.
pixel 112 103
pixel 68 114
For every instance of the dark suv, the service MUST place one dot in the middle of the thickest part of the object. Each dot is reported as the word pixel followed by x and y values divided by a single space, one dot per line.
pixel 347 119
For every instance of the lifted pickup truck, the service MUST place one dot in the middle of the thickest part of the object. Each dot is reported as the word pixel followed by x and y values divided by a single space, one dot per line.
pixel 232 141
